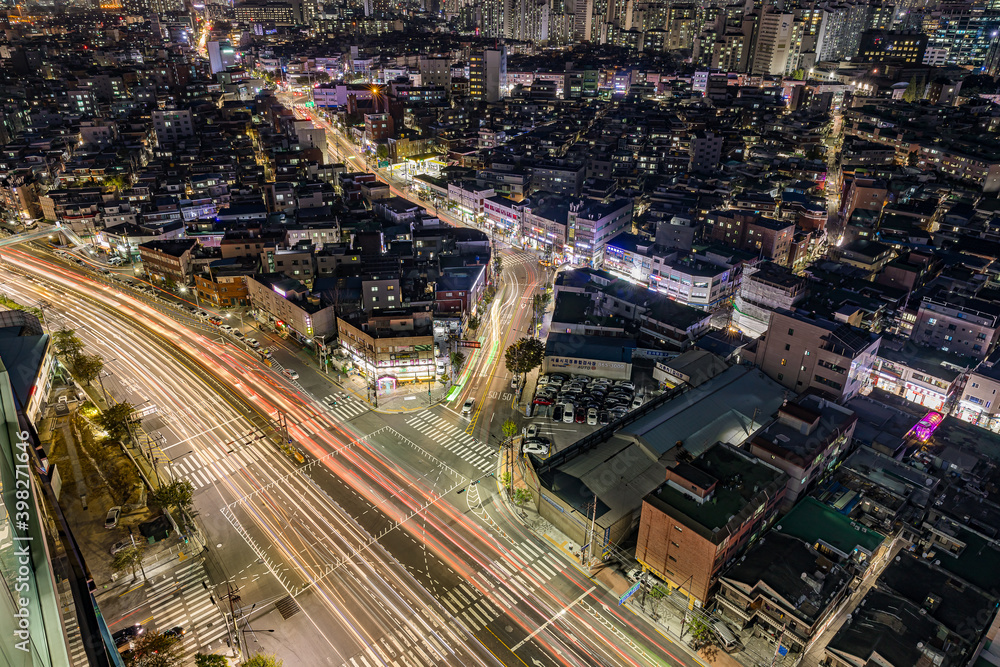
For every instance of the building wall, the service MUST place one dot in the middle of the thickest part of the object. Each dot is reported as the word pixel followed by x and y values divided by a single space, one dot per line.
pixel 615 370
pixel 307 325
pixel 945 327
pixel 675 553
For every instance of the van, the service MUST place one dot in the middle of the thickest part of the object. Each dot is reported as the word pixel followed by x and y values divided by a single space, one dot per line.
pixel 727 639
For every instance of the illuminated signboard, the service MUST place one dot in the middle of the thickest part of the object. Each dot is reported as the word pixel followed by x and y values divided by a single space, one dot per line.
pixel 926 426
pixel 279 291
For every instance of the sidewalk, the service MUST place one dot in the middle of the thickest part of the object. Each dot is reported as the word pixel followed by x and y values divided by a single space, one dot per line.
pixel 661 615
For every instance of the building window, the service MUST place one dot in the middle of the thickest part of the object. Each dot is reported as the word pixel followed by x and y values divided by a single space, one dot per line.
pixel 784 361
pixel 791 332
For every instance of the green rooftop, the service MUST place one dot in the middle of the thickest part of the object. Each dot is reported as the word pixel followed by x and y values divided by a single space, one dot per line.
pixel 740 479
pixel 812 521
pixel 978 564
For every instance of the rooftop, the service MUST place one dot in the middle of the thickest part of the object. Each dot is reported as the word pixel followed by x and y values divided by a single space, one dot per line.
pixel 741 480
pixel 601 348
pixel 793 571
pixel 814 522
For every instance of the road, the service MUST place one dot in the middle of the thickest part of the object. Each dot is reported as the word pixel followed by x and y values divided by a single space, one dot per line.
pixel 485 377
pixel 381 537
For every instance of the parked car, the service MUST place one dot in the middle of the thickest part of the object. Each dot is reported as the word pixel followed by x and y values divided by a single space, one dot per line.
pixel 216 320
pixel 568 412
pixel 592 416
pixel 513 382
pixel 535 448
pixel 543 380
pixel 237 334
pixel 603 417
pixel 634 575
pixel 290 374
pixel 226 328
pixel 467 407
pixel 120 546
pixel 252 342
pixel 532 431
pixel 115 513
pixel 202 314
pixel 625 385
pixel 557 413
pixel 542 399
pixel 637 402
pixel 581 415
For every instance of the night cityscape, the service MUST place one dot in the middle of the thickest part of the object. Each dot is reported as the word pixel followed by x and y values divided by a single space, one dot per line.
pixel 534 333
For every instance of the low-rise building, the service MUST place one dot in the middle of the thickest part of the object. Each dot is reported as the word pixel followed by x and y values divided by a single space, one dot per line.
pixel 765 288
pixel 168 260
pixel 921 375
pixel 957 324
pixel 705 514
pixel 784 587
pixel 595 356
pixel 807 440
pixel 806 352
pixel 389 346
pixel 289 306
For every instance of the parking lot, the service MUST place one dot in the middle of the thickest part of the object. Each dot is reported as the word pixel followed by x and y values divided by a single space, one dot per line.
pixel 592 402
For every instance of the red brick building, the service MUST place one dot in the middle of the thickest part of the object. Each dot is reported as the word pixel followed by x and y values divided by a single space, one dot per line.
pixel 705 515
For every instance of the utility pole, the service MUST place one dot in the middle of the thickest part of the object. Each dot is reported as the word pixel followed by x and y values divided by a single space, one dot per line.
pixel 593 525
pixel 232 594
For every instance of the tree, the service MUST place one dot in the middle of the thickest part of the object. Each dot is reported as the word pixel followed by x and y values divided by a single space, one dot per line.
pixel 509 429
pixel 521 496
pixel 129 558
pixel 524 355
pixel 210 660
pixel 177 494
pixel 702 636
pixel 115 420
pixel 497 264
pixel 382 152
pixel 539 302
pixel 457 359
pixel 87 367
pixel 155 650
pixel 474 323
pixel 261 660
pixel 68 344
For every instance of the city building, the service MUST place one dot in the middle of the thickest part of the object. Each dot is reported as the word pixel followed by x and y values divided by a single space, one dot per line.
pixel 591 224
pixel 389 347
pixel 891 46
pixel 807 440
pixel 289 306
pixel 171 125
pixel 168 260
pixel 764 289
pixel 785 589
pixel 748 230
pixel 804 352
pixel 957 324
pixel 488 74
pixel 705 515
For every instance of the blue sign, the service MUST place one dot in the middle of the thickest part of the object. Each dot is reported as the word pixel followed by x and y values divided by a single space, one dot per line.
pixel 782 651
pixel 630 592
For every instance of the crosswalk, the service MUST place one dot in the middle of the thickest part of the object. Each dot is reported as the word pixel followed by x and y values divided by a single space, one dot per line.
pixel 470 607
pixel 203 466
pixel 343 406
pixel 77 651
pixel 454 439
pixel 179 599
pixel 503 583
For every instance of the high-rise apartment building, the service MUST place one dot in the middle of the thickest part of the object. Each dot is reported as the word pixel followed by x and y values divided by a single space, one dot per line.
pixel 221 55
pixel 171 125
pixel 772 44
pixel 840 31
pixel 528 20
pixel 488 75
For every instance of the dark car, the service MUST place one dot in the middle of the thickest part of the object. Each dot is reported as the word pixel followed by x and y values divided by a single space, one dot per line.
pixel 581 415
pixel 604 417
pixel 540 440
pixel 557 413
pixel 176 632
pixel 126 635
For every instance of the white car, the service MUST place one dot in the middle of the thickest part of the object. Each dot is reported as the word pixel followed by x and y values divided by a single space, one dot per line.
pixel 226 328
pixel 535 448
pixel 467 407
pixel 637 402
pixel 592 417
pixel 252 342
pixel 532 431
pixel 290 374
